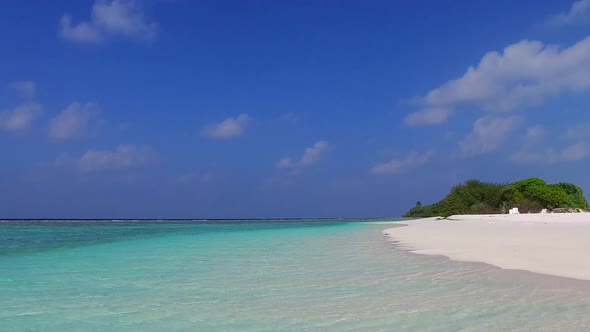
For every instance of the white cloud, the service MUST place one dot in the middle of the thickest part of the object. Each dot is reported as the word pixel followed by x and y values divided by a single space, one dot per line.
pixel 310 156
pixel 488 134
pixel 578 13
pixel 523 74
pixel 578 132
pixel 125 156
pixel 411 161
pixel 25 89
pixel 285 163
pixel 535 134
pixel 110 18
pixel 314 153
pixel 82 32
pixel 228 128
pixel 429 116
pixel 75 121
pixel 574 152
pixel 20 117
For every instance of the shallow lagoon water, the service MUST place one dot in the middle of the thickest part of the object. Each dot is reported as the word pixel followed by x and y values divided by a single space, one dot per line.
pixel 260 276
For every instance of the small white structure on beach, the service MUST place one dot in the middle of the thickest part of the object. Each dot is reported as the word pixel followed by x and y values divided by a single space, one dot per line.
pixel 513 211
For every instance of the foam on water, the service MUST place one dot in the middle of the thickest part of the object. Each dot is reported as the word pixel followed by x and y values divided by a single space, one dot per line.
pixel 260 276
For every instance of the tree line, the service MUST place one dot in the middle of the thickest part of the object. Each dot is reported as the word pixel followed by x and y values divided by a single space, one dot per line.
pixel 529 196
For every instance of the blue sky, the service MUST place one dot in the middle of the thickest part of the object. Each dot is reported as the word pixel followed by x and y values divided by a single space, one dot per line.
pixel 245 109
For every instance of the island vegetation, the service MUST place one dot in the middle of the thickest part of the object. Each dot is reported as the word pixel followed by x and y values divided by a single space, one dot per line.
pixel 529 196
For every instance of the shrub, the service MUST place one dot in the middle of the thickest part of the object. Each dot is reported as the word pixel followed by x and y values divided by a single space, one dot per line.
pixel 529 196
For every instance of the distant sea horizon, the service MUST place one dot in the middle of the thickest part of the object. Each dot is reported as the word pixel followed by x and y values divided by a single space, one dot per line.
pixel 203 219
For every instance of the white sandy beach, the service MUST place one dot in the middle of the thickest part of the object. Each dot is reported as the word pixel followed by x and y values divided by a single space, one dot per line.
pixel 553 244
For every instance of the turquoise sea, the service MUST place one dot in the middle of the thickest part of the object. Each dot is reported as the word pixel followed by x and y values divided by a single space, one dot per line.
pixel 260 276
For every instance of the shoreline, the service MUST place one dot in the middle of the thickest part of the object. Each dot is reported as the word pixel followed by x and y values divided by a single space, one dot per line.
pixel 550 244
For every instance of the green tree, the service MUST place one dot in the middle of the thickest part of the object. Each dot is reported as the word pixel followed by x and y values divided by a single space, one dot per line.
pixel 477 197
pixel 555 197
pixel 575 195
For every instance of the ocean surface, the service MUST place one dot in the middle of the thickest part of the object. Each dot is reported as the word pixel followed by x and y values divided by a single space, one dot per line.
pixel 261 276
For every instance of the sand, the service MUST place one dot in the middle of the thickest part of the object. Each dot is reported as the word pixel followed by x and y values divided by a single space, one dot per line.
pixel 553 244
